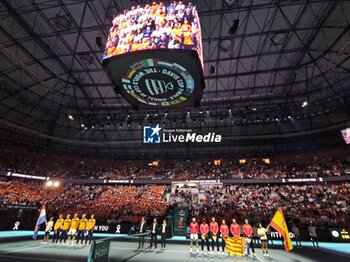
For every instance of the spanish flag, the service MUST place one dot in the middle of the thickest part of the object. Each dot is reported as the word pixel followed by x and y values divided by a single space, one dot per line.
pixel 278 222
pixel 235 245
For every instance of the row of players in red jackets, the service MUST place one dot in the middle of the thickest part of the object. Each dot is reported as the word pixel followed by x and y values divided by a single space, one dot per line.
pixel 216 232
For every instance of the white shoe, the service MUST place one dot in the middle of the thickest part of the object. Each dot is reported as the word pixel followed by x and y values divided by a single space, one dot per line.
pixel 191 251
pixel 197 251
pixel 264 255
pixel 267 255
pixel 42 242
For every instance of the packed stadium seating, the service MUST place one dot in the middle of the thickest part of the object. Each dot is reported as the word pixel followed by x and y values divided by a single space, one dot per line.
pixel 73 167
pixel 323 204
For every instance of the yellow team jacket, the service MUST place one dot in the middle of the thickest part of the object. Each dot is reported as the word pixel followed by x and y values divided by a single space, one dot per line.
pixel 75 223
pixel 66 224
pixel 91 224
pixel 82 224
pixel 58 223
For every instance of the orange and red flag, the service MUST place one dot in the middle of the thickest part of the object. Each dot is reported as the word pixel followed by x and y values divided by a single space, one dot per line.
pixel 278 222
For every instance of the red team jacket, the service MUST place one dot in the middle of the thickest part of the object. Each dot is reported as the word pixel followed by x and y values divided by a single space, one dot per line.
pixel 194 228
pixel 204 228
pixel 224 230
pixel 247 230
pixel 235 230
pixel 214 228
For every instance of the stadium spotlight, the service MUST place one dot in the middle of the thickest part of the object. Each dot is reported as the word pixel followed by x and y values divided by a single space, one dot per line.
pixel 49 183
pixel 305 103
pixel 254 108
pixel 71 117
pixel 289 117
pixel 56 184
pixel 82 125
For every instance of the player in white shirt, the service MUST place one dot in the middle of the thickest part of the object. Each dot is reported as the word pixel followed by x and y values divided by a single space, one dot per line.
pixel 49 226
pixel 263 238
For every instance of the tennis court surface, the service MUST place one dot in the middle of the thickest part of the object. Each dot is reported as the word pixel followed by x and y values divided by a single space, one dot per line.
pixel 31 250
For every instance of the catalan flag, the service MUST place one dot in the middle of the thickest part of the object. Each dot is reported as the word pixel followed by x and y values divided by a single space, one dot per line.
pixel 235 245
pixel 278 222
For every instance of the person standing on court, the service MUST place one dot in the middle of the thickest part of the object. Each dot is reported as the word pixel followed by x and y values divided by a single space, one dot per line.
pixel 204 229
pixel 163 230
pixel 194 229
pixel 313 234
pixel 90 226
pixel 154 232
pixel 224 231
pixel 235 228
pixel 214 229
pixel 57 229
pixel 142 230
pixel 261 231
pixel 248 235
pixel 296 233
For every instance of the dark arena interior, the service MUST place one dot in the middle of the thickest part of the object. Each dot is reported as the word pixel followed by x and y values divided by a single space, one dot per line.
pixel 208 130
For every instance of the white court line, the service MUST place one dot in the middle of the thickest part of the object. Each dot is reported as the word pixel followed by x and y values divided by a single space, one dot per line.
pixel 38 259
pixel 20 250
pixel 172 250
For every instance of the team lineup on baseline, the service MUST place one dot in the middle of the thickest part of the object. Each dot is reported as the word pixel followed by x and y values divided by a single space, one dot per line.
pixel 70 231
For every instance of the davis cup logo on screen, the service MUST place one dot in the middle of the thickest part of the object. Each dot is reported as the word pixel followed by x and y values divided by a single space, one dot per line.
pixel 158 82
pixel 151 134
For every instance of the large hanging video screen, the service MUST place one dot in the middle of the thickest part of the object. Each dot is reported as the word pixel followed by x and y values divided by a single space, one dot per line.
pixel 154 55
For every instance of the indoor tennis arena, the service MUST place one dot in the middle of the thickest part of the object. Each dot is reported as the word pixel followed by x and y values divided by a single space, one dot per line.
pixel 174 131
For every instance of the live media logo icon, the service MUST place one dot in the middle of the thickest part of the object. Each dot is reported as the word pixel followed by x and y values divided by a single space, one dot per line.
pixel 151 134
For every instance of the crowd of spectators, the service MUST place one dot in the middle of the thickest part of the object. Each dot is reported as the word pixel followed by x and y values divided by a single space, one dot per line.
pixel 324 204
pixel 119 203
pixel 85 168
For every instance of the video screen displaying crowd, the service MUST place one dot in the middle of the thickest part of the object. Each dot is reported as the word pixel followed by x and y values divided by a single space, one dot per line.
pixel 155 26
pixel 324 204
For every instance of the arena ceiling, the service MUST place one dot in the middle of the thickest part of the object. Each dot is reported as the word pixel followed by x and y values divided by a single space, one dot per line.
pixel 279 81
